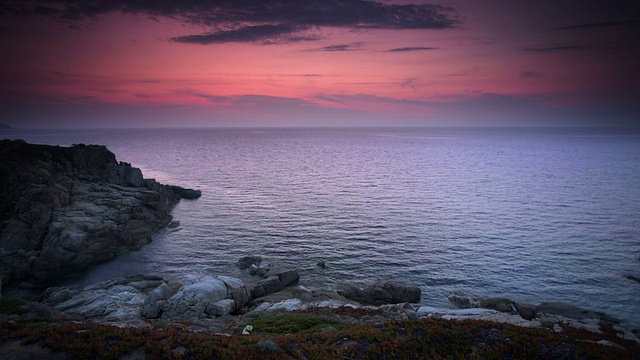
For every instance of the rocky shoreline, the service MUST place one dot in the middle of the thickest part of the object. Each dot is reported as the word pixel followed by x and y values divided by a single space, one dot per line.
pixel 219 304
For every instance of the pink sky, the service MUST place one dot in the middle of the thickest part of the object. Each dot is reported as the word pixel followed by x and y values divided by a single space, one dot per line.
pixel 117 64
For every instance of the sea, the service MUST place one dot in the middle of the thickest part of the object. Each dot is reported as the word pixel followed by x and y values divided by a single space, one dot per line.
pixel 530 214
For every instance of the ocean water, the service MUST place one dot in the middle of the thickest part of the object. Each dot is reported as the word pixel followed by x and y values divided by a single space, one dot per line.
pixel 529 214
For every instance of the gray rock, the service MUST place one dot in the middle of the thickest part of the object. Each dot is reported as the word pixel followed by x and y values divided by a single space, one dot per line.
pixel 115 300
pixel 155 302
pixel 267 286
pixel 220 308
pixel 288 277
pixel 573 312
pixel 236 291
pixel 400 293
pixel 383 292
pixel 500 304
pixel 191 301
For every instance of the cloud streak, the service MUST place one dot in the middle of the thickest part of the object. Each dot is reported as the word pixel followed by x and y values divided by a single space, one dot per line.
pixel 595 25
pixel 266 21
pixel 339 47
pixel 408 49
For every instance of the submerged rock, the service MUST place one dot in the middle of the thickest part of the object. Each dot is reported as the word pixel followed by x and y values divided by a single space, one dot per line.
pixel 247 261
pixel 65 208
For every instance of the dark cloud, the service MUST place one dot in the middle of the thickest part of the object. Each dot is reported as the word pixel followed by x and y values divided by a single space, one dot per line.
pixel 555 48
pixel 595 25
pixel 267 34
pixel 405 49
pixel 251 20
pixel 340 47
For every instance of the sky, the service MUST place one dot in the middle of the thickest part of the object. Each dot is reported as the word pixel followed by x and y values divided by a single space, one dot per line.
pixel 264 63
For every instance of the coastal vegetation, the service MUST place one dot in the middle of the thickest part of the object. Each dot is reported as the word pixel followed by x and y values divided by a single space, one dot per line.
pixel 319 334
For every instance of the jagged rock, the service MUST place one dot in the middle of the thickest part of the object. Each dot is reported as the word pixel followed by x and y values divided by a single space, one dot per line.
pixel 155 302
pixel 247 261
pixel 113 300
pixel 186 193
pixel 63 209
pixel 237 291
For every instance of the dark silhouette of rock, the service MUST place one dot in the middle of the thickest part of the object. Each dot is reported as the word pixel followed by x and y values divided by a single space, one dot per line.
pixel 186 193
pixel 65 208
pixel 526 311
pixel 247 261
pixel 383 292
pixel 633 277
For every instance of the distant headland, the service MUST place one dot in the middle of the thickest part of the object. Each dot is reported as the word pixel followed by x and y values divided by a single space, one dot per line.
pixel 3 126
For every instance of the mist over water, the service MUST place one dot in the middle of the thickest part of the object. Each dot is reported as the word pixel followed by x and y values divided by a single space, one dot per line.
pixel 530 214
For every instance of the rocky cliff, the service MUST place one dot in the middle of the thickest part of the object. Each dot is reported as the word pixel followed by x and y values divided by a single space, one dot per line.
pixel 65 208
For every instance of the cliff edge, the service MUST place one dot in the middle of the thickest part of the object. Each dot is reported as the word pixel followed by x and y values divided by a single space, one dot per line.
pixel 65 208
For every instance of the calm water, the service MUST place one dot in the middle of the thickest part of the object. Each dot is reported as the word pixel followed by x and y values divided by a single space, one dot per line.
pixel 533 215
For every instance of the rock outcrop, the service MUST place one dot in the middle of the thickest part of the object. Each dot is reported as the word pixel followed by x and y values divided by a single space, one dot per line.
pixel 383 292
pixel 65 208
pixel 277 282
pixel 208 297
pixel 139 297
pixel 113 300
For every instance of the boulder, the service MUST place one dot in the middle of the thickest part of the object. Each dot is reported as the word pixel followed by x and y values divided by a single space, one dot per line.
pixel 191 301
pixel 288 277
pixel 275 283
pixel 236 291
pixel 267 286
pixel 526 311
pixel 155 302
pixel 383 292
